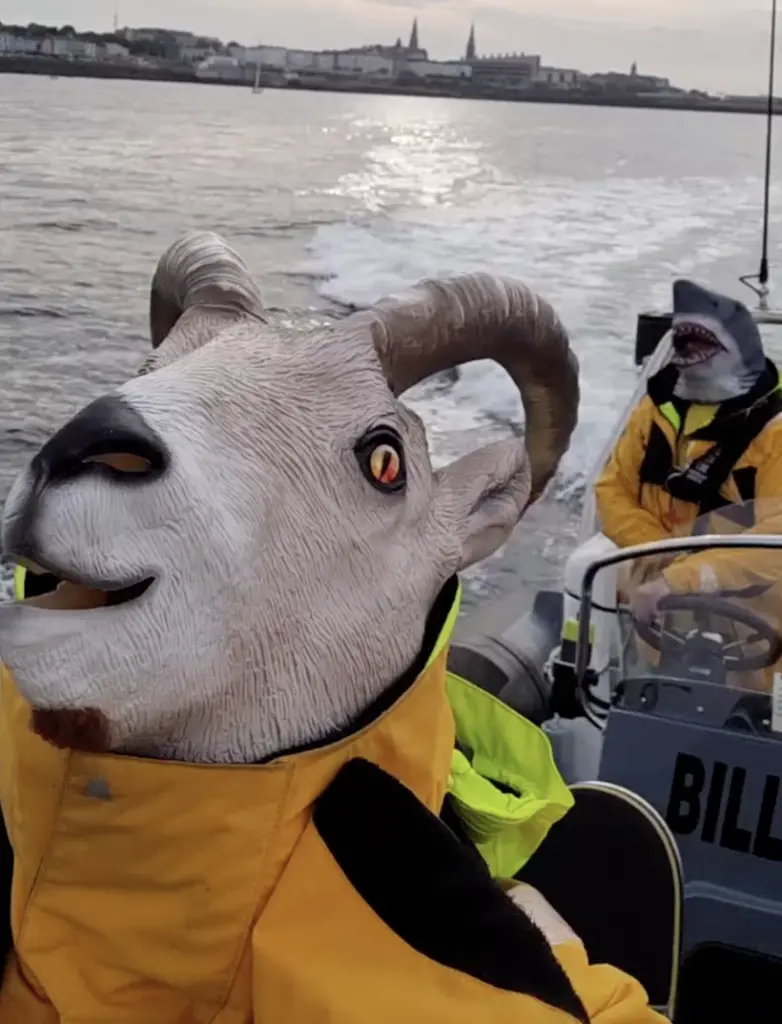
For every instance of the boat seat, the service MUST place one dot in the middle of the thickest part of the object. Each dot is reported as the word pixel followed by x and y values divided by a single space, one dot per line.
pixel 611 869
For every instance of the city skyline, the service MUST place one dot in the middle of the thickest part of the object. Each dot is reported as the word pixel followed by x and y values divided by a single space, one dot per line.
pixel 709 45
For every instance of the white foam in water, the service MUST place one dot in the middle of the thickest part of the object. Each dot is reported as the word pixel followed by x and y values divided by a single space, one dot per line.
pixel 600 247
pixel 600 251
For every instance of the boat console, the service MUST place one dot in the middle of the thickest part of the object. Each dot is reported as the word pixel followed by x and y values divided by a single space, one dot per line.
pixel 694 727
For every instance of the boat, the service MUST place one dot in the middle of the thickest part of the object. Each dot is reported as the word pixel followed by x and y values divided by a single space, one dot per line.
pixel 679 720
pixel 670 737
pixel 681 717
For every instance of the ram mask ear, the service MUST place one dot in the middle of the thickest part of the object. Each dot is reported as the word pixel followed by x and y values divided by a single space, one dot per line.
pixel 442 324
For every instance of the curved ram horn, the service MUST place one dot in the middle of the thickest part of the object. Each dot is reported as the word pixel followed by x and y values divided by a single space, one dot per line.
pixel 441 324
pixel 201 273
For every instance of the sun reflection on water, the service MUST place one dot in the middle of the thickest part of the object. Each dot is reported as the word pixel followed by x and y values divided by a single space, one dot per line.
pixel 426 158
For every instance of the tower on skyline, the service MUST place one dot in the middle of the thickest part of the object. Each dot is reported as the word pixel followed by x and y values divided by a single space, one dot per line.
pixel 414 36
pixel 470 53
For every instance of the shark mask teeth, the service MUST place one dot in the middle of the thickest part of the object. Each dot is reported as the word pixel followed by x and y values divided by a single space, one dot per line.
pixel 694 344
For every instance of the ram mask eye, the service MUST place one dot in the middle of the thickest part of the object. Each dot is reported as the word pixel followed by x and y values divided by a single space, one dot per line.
pixel 382 459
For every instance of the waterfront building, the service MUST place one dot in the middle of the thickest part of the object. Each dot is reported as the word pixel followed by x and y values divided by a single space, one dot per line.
pixel 509 70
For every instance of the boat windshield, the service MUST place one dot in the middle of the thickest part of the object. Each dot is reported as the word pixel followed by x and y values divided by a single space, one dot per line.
pixel 710 613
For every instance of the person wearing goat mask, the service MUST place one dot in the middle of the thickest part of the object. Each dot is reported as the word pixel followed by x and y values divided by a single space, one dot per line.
pixel 228 734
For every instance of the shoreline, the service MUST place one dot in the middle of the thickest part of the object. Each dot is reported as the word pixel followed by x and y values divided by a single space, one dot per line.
pixel 54 67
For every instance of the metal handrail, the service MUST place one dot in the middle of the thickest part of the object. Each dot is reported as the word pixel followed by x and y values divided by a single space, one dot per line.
pixel 674 544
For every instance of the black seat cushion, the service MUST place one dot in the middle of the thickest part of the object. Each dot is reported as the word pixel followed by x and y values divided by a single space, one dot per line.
pixel 611 868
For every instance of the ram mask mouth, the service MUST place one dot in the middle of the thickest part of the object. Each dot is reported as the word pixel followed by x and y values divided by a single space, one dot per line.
pixel 59 591
pixel 694 344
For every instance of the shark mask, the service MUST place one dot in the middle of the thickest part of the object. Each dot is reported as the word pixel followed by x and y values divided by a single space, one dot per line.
pixel 717 347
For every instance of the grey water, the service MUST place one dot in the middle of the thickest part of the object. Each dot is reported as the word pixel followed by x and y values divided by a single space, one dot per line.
pixel 335 200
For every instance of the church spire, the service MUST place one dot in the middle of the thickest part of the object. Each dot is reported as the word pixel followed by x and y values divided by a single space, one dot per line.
pixel 470 51
pixel 414 36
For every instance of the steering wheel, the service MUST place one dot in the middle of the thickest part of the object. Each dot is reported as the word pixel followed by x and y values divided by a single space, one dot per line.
pixel 655 634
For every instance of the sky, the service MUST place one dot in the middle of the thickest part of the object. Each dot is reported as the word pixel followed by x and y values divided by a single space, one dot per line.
pixel 709 44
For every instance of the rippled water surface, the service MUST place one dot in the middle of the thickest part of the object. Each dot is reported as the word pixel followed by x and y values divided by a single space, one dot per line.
pixel 339 199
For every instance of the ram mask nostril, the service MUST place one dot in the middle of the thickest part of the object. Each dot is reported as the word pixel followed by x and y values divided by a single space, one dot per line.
pixel 122 462
pixel 110 437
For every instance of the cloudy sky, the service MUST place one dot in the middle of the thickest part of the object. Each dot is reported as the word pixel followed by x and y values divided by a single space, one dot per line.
pixel 706 43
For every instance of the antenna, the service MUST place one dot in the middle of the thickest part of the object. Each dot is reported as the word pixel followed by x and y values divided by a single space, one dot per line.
pixel 761 290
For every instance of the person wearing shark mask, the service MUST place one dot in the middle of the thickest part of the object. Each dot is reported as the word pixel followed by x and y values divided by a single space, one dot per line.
pixel 702 451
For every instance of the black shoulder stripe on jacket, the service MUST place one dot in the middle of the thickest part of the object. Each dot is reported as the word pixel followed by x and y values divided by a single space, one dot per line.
pixel 432 891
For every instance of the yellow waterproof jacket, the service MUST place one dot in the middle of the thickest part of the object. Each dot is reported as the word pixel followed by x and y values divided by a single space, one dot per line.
pixel 317 887
pixel 633 511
